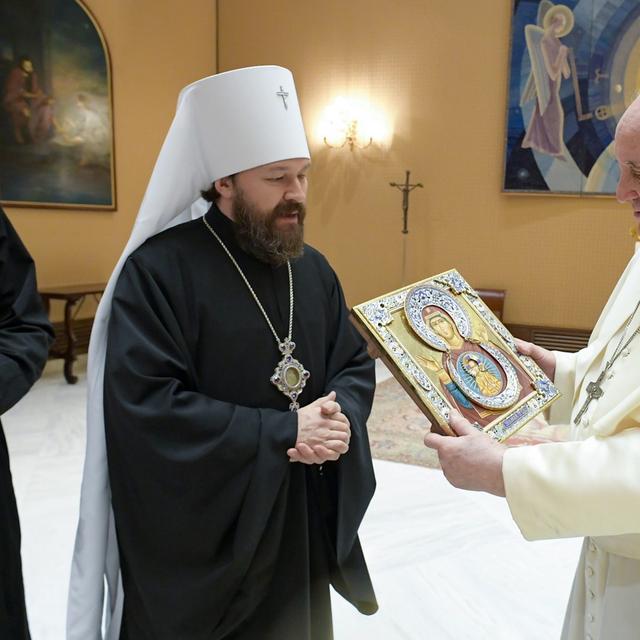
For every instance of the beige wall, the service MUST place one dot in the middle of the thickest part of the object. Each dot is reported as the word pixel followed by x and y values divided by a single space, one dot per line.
pixel 439 70
pixel 439 73
pixel 156 48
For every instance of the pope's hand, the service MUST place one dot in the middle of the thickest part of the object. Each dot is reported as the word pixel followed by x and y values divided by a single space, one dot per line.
pixel 545 359
pixel 471 461
pixel 323 432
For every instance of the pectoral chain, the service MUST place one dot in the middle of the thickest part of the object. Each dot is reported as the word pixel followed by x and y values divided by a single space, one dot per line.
pixel 290 376
pixel 594 388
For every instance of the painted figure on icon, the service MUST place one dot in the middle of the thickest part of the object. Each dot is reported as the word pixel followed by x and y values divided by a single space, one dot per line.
pixel 475 375
pixel 486 377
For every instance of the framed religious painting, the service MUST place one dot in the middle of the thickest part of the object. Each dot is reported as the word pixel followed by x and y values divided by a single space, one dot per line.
pixel 448 350
pixel 56 122
pixel 574 69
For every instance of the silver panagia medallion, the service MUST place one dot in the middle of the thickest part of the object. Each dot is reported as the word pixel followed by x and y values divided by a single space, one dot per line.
pixel 290 376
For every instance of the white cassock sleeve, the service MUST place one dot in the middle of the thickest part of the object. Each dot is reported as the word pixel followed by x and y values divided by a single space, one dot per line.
pixel 564 379
pixel 584 488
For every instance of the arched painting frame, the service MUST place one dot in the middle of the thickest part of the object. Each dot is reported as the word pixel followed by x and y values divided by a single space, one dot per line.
pixel 56 107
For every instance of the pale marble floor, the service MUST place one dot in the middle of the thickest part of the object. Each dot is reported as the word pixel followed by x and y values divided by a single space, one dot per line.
pixel 446 564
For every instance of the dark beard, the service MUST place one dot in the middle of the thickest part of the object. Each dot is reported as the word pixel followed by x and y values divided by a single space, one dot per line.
pixel 257 234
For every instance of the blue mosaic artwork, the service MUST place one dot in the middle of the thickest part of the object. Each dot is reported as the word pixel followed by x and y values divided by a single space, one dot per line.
pixel 574 69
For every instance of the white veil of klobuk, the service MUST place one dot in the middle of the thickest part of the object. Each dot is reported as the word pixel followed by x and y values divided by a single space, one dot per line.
pixel 224 124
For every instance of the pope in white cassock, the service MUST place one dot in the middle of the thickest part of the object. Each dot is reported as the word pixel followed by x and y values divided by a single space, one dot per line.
pixel 589 486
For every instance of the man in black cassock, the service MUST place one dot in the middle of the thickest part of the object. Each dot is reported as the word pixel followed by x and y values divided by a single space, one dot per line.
pixel 234 513
pixel 25 336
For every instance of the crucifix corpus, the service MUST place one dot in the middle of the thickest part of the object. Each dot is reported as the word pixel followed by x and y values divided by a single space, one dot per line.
pixel 406 189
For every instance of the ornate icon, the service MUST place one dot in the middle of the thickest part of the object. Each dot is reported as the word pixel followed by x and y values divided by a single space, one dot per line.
pixel 449 351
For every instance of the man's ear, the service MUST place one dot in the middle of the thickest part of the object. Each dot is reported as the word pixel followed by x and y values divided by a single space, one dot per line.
pixel 225 186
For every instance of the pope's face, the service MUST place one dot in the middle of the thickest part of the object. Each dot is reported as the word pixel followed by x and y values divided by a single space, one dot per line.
pixel 279 185
pixel 627 144
pixel 27 66
pixel 442 327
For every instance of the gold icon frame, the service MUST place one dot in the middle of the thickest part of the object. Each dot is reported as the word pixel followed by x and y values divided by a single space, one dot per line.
pixel 422 361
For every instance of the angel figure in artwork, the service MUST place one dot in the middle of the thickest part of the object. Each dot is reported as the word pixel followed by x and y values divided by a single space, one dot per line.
pixel 549 65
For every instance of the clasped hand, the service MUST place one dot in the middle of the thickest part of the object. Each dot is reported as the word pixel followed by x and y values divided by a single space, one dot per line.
pixel 323 432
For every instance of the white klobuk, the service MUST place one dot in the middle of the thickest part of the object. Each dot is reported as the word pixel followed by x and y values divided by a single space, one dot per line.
pixel 224 124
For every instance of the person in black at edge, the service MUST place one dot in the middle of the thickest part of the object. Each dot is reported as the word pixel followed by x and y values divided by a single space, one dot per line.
pixel 25 336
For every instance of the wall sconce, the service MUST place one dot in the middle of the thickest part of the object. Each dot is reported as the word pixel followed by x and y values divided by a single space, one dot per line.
pixel 350 137
pixel 351 122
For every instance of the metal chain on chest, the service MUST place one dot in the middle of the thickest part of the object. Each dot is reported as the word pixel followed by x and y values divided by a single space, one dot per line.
pixel 290 377
pixel 621 347
pixel 253 293
pixel 594 388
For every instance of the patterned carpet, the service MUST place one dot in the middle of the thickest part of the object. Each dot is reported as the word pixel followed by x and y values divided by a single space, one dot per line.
pixel 397 427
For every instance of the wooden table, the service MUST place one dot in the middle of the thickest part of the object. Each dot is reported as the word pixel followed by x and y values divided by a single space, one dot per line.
pixel 71 295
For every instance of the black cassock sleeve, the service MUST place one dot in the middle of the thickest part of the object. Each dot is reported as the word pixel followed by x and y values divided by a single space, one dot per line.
pixel 25 335
pixel 25 332
pixel 198 485
pixel 349 483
